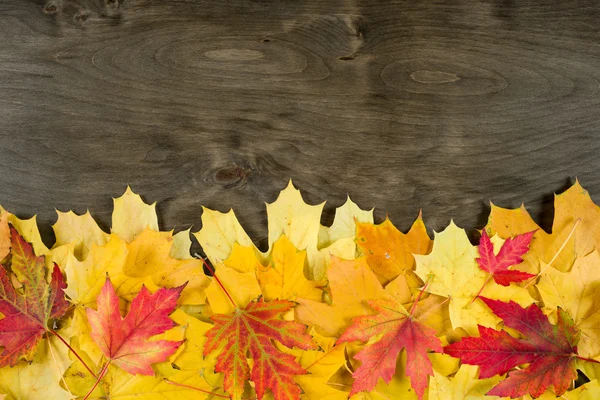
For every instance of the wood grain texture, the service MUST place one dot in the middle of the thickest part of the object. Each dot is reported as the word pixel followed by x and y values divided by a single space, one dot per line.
pixel 443 105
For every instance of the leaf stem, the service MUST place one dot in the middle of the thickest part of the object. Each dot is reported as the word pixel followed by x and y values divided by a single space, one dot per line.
pixel 193 388
pixel 212 270
pixel 74 352
pixel 555 255
pixel 100 376
pixel 480 290
pixel 418 298
pixel 588 359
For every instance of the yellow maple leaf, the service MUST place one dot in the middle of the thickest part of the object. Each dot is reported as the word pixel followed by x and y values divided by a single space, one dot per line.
pixel 315 384
pixel 220 231
pixel 131 215
pixel 149 255
pixel 452 271
pixel 389 252
pixel 284 277
pixel 81 230
pixel 28 228
pixel 465 385
pixel 576 292
pixel 575 230
pixel 288 215
pixel 245 278
pixel 321 365
pixel 344 223
pixel 352 283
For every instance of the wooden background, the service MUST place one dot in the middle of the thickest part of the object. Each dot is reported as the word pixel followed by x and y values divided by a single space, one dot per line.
pixel 402 104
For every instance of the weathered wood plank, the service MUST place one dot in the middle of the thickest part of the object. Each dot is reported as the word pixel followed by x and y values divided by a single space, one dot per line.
pixel 401 104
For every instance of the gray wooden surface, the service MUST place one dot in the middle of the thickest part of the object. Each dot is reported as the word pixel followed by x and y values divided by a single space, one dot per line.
pixel 402 104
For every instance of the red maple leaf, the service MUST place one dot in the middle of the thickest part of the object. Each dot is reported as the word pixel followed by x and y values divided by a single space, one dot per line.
pixel 251 332
pixel 400 331
pixel 28 309
pixel 550 350
pixel 124 341
pixel 510 254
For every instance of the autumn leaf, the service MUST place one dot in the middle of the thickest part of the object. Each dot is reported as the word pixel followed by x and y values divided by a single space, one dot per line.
pixel 4 235
pixel 451 270
pixel 464 385
pixel 252 331
pixel 321 365
pixel 576 292
pixel 352 283
pixel 124 341
pixel 389 252
pixel 550 350
pixel 80 230
pixel 131 215
pixel 510 254
pixel 38 378
pixel 28 228
pixel 27 311
pixel 288 215
pixel 399 330
pixel 183 376
pixel 575 229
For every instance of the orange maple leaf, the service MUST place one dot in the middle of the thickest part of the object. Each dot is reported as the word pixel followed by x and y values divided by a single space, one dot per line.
pixel 400 331
pixel 389 252
pixel 252 331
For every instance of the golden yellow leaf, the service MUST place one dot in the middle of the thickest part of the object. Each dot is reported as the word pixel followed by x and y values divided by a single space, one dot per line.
pixel 81 230
pixel 321 367
pixel 444 364
pixel 86 278
pixel 131 215
pixel 352 283
pixel 149 255
pixel 243 259
pixel 284 277
pixel 576 292
pixel 465 385
pixel 288 215
pixel 242 286
pixel 570 206
pixel 389 252
pixel 452 271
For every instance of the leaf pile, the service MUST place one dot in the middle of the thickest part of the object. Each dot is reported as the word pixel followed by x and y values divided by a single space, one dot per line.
pixel 355 310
